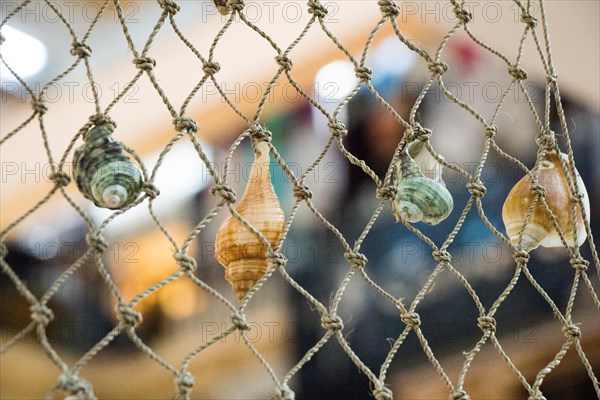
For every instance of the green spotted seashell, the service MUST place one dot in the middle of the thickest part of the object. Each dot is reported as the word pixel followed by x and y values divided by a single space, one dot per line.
pixel 419 197
pixel 103 172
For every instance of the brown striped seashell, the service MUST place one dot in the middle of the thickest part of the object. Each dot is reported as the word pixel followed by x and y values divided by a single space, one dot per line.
pixel 539 229
pixel 240 250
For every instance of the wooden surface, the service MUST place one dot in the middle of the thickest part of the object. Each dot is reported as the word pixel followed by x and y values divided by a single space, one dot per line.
pixel 225 369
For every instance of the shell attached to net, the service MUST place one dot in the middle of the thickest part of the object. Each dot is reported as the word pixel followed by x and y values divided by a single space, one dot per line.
pixel 539 229
pixel 103 172
pixel 422 196
pixel 238 249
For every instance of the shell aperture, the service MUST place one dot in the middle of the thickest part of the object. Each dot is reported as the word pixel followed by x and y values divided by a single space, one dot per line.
pixel 540 229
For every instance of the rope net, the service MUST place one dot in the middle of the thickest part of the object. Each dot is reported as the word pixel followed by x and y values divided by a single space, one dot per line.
pixel 71 376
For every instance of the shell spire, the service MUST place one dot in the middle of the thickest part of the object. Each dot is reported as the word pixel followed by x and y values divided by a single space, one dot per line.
pixel 539 229
pixel 420 197
pixel 103 172
pixel 240 250
pixel 428 165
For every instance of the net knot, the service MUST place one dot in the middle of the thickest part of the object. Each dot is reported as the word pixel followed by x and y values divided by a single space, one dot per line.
pixel 285 393
pixel 169 6
pixel 185 261
pixel 332 322
pixel 438 67
pixel 211 67
pixel 517 72
pixel 388 8
pixel 530 20
pixel 185 382
pixel 387 193
pixel 80 50
pixel 39 107
pixel 185 124
pixel 239 321
pixel 302 192
pixel 144 63
pixel 41 314
pixel 236 5
pixel 128 315
pixel 487 324
pixel 259 133
pixel 363 73
pixel 538 190
pixel 459 395
pixel 103 119
pixel 490 131
pixel 536 395
pixel 284 62
pixel 278 260
pixel 441 256
pixel 73 384
pixel 546 140
pixel 337 129
pixel 579 264
pixel 357 259
pixel 383 393
pixel 317 9
pixel 224 191
pixel 576 198
pixel 97 242
pixel 418 132
pixel 151 191
pixel 60 179
pixel 521 257
pixel 412 319
pixel 572 331
pixel 552 78
pixel 476 188
pixel 462 14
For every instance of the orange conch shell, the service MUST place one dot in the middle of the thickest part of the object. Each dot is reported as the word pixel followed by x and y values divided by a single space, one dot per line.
pixel 240 250
pixel 539 229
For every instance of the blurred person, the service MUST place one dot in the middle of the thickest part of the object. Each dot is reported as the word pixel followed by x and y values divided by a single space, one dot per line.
pixel 400 262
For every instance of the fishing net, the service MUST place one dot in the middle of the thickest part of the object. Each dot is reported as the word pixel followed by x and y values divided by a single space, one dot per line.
pixel 71 375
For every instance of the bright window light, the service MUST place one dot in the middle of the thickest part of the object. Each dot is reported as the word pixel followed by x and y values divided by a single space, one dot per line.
pixel 335 81
pixel 23 53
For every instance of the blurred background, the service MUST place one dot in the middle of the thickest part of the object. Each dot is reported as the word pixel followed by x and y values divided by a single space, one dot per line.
pixel 180 316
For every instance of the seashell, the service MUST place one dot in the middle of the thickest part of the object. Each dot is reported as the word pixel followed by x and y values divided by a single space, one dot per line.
pixel 539 229
pixel 420 198
pixel 103 172
pixel 240 250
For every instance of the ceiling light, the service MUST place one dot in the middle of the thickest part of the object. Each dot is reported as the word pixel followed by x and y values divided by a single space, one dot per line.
pixel 23 53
